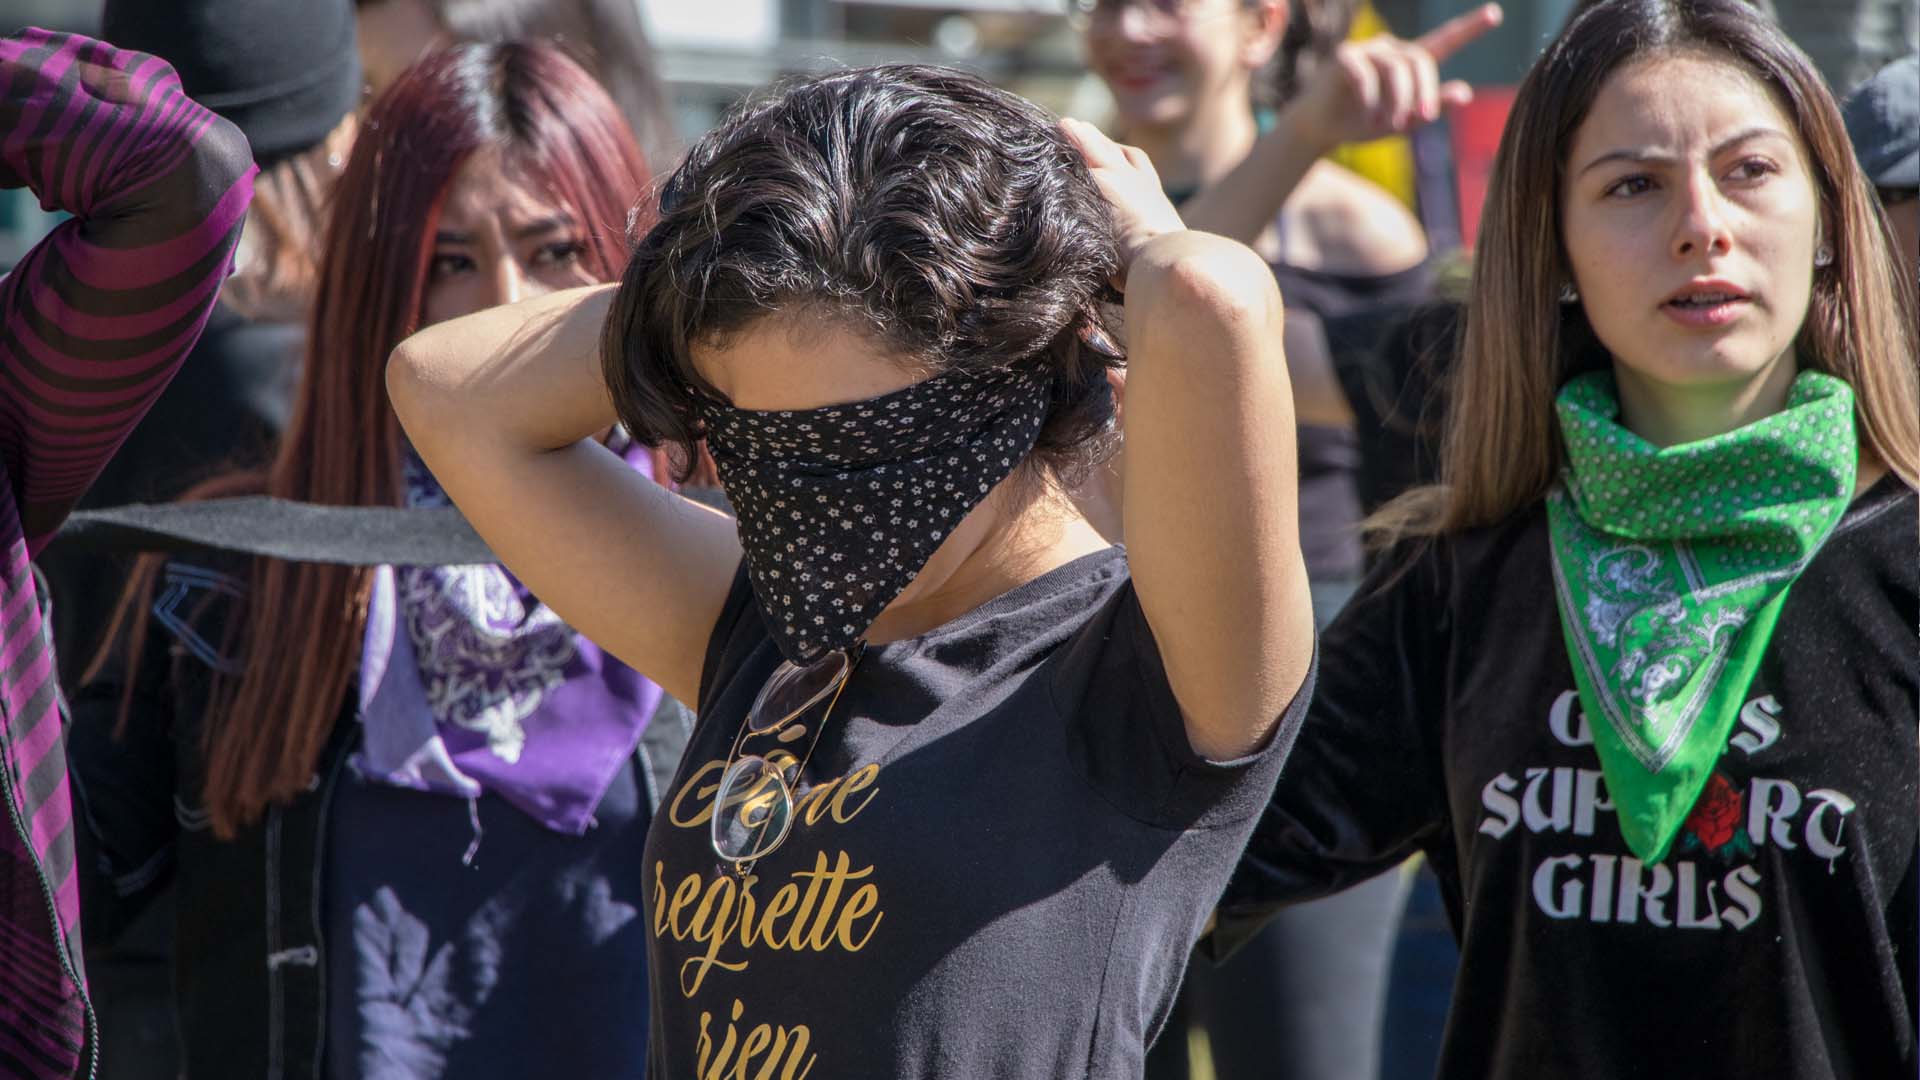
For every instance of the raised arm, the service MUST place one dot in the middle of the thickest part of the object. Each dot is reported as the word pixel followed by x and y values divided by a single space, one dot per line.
pixel 1211 500
pixel 1369 89
pixel 503 406
pixel 98 316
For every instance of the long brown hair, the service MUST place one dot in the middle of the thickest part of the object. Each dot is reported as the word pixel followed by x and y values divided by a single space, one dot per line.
pixel 267 724
pixel 1501 450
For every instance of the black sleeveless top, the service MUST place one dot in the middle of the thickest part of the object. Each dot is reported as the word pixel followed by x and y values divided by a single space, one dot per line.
pixel 1330 509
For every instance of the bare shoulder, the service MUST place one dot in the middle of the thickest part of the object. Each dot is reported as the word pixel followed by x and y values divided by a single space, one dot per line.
pixel 1343 223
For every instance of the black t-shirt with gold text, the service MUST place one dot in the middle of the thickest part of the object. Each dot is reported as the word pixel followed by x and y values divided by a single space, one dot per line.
pixel 1004 849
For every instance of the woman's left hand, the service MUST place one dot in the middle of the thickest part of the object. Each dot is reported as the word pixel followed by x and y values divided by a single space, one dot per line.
pixel 1141 209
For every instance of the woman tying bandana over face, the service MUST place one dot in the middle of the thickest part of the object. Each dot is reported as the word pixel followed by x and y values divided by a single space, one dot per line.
pixel 966 780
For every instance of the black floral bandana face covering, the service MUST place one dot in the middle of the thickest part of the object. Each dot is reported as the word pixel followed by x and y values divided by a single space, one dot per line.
pixel 840 507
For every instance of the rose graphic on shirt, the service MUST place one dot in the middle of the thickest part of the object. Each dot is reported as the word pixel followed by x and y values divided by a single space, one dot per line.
pixel 1714 824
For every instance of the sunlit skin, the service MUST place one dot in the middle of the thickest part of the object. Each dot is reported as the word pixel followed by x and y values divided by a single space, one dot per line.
pixel 1688 173
pixel 500 404
pixel 1181 83
pixel 498 241
pixel 1362 90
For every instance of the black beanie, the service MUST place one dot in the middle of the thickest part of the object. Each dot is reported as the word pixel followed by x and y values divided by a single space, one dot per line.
pixel 283 71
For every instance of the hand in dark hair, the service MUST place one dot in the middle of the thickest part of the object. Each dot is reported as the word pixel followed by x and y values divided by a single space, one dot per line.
pixel 948 220
pixel 1125 175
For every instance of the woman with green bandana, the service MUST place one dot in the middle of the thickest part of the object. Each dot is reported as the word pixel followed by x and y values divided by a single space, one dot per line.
pixel 1641 676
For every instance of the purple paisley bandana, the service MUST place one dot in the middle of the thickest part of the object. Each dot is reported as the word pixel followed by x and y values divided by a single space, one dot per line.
pixel 470 684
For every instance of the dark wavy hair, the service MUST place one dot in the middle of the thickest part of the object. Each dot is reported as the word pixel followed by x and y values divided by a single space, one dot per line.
pixel 947 219
pixel 1314 29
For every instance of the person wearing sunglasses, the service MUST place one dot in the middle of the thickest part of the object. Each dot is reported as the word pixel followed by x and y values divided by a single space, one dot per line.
pixel 966 779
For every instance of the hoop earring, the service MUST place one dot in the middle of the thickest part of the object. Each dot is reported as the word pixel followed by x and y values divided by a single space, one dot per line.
pixel 1823 255
pixel 1569 294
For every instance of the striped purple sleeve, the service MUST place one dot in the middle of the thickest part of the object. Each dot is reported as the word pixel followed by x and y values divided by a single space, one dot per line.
pixel 93 322
pixel 96 318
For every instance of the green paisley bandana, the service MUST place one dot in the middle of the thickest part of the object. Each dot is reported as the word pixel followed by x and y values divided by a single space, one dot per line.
pixel 1671 566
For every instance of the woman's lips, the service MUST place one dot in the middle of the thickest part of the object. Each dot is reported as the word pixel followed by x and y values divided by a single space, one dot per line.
pixel 1134 78
pixel 1705 316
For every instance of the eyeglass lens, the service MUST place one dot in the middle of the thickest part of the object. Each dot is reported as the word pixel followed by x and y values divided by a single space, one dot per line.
pixel 753 809
pixel 793 689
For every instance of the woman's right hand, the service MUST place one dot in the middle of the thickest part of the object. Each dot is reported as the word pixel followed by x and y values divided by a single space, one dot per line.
pixel 1388 86
pixel 1141 210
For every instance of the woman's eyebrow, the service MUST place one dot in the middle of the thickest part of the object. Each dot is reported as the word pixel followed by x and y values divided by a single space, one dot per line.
pixel 537 227
pixel 550 223
pixel 1662 157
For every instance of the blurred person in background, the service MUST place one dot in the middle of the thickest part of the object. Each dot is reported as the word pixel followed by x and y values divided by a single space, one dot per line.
pixel 605 36
pixel 96 319
pixel 1640 677
pixel 1195 83
pixel 285 72
pixel 1883 120
pixel 402 807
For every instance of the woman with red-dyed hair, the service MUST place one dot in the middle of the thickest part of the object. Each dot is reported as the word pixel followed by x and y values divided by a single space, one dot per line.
pixel 404 806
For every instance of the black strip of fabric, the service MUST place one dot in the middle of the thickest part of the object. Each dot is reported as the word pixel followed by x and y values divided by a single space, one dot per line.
pixel 284 529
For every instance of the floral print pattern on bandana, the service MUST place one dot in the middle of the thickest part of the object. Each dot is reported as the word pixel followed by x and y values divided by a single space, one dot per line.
pixel 488 653
pixel 839 507
pixel 1670 568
